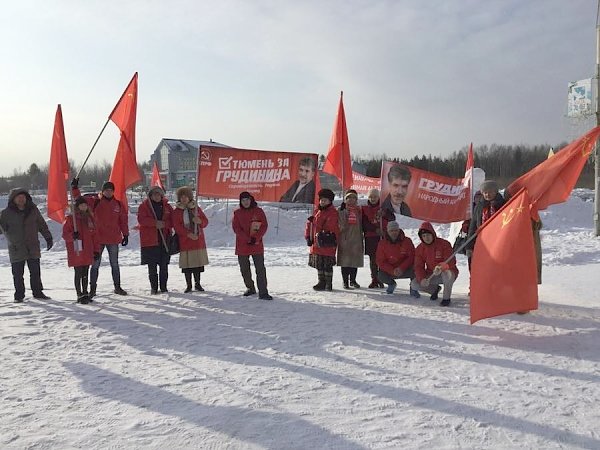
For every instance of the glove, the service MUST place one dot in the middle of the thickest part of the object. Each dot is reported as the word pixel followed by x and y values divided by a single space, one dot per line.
pixel 75 183
pixel 75 235
pixel 437 270
pixel 252 241
pixel 469 253
pixel 309 242
pixel 96 256
pixel 49 243
pixel 343 206
pixel 311 218
pixel 125 240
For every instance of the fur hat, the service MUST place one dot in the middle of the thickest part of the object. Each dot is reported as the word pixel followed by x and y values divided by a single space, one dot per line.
pixel 326 193
pixel 185 190
pixel 246 194
pixel 108 185
pixel 373 191
pixel 489 186
pixel 393 225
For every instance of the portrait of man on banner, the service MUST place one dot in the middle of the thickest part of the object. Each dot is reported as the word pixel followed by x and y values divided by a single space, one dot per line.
pixel 395 182
pixel 303 189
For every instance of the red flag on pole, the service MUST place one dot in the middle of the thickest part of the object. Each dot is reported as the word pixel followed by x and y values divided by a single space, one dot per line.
pixel 503 269
pixel 338 161
pixel 552 180
pixel 58 171
pixel 125 171
pixel 156 181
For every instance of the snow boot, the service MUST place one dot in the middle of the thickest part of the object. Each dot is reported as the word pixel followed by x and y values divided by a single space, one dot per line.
pixel 434 296
pixel 445 302
pixel 374 284
pixel 414 293
pixel 120 291
pixel 329 281
pixel 354 284
pixel 249 292
pixel 320 286
pixel 92 290
pixel 198 287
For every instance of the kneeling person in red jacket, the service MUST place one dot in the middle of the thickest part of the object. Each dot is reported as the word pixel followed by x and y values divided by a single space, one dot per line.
pixel 395 256
pixel 431 268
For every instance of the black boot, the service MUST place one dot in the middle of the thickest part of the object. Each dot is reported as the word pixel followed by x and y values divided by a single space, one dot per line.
pixel 120 291
pixel 329 281
pixel 320 286
pixel 188 281
pixel 92 291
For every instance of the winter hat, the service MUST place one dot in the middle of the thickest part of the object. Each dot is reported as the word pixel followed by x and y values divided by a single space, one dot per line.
pixel 351 193
pixel 108 185
pixel 393 225
pixel 326 193
pixel 79 201
pixel 154 189
pixel 489 186
pixel 373 191
pixel 185 190
pixel 245 194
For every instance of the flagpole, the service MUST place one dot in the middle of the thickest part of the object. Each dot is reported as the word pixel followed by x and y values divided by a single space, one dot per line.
pixel 597 163
pixel 92 149
pixel 343 168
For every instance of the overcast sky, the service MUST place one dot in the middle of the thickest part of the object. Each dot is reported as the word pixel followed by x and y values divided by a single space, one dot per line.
pixel 419 76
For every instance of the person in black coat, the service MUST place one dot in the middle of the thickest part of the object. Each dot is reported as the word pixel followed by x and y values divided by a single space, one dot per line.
pixel 490 202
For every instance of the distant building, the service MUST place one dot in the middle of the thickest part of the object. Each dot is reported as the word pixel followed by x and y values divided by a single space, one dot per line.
pixel 177 161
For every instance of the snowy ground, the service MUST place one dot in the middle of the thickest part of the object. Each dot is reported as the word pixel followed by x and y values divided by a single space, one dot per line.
pixel 347 370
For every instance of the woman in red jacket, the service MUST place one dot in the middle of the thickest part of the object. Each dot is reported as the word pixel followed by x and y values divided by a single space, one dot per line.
pixel 82 246
pixel 189 222
pixel 155 223
pixel 431 267
pixel 324 222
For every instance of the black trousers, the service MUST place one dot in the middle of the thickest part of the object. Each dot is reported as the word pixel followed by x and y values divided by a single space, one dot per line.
pixel 259 267
pixel 81 279
pixel 35 279
pixel 158 274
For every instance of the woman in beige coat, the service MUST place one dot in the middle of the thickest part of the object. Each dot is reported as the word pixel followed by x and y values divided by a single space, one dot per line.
pixel 350 245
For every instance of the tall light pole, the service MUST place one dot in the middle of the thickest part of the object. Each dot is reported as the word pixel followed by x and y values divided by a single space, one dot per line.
pixel 597 156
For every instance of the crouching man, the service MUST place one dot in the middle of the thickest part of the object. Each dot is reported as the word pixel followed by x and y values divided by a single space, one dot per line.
pixel 431 268
pixel 395 256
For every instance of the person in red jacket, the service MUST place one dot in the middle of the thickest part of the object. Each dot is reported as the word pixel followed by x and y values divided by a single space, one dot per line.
pixel 371 223
pixel 79 233
pixel 395 256
pixel 434 265
pixel 112 229
pixel 322 234
pixel 250 225
pixel 189 222
pixel 155 224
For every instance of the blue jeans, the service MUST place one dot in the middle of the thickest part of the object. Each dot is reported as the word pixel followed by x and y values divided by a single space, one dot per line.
pixel 113 257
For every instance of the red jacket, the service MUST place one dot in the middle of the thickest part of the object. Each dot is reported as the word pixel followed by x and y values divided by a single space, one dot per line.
pixel 429 256
pixel 391 255
pixel 249 223
pixel 185 243
pixel 110 218
pixel 325 220
pixel 87 235
pixel 149 236
pixel 371 221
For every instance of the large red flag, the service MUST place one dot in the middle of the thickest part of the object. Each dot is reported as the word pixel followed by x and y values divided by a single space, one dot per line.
pixel 552 180
pixel 58 171
pixel 503 270
pixel 125 171
pixel 338 161
pixel 155 180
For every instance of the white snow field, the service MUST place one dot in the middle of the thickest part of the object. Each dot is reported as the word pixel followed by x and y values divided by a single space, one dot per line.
pixel 341 370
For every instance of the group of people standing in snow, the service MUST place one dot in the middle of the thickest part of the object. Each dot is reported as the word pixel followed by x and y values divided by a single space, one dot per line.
pixel 335 236
pixel 99 222
pixel 353 231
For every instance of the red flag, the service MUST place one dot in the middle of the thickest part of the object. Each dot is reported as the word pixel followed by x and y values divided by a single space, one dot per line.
pixel 503 269
pixel 156 181
pixel 58 172
pixel 338 161
pixel 552 180
pixel 125 171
